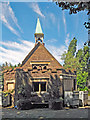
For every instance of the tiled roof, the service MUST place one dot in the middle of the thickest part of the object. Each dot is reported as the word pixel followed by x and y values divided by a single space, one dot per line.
pixel 40 53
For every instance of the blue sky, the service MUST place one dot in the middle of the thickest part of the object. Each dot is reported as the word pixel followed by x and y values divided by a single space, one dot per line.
pixel 19 23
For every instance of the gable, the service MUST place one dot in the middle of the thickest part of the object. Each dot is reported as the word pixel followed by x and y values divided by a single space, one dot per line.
pixel 40 55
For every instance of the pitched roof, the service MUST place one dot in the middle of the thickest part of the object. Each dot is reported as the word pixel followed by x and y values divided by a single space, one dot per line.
pixel 30 53
pixel 40 53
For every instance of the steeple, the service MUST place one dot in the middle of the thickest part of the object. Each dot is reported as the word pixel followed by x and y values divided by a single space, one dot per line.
pixel 38 33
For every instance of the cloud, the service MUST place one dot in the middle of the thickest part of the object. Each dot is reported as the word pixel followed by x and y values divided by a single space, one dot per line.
pixel 52 17
pixel 58 27
pixel 9 26
pixel 67 40
pixel 8 18
pixel 14 52
pixel 64 21
pixel 36 9
pixel 52 40
pixel 57 52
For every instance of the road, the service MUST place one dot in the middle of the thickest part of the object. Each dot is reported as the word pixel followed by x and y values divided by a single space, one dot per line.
pixel 44 113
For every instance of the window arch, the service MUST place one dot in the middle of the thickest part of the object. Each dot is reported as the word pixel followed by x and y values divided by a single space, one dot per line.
pixel 45 67
pixel 34 67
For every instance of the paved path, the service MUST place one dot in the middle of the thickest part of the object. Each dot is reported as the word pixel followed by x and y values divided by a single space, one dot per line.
pixel 45 113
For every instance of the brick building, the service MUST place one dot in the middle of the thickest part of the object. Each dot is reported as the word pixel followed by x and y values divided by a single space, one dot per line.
pixel 40 73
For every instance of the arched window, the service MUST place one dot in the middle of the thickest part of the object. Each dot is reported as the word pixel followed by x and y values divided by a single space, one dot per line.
pixel 34 67
pixel 44 67
pixel 40 67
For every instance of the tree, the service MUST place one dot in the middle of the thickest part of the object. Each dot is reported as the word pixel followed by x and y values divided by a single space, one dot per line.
pixel 77 61
pixel 19 64
pixel 11 66
pixel 6 63
pixel 69 56
pixel 82 71
pixel 75 7
pixel 72 46
pixel 15 66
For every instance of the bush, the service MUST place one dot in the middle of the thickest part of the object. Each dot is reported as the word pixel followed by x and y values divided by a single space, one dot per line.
pixel 24 104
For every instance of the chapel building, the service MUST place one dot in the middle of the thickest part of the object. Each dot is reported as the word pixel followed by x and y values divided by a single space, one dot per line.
pixel 40 73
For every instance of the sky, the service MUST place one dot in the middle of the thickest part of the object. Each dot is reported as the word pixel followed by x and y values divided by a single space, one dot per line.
pixel 18 23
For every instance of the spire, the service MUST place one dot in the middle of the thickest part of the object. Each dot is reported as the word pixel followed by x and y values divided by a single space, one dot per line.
pixel 38 27
pixel 38 33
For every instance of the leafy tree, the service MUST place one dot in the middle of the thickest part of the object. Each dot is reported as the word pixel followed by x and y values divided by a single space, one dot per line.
pixel 6 66
pixel 3 65
pixel 82 70
pixel 69 56
pixel 72 46
pixel 19 64
pixel 10 65
pixel 77 61
pixel 15 66
pixel 75 7
pixel 6 63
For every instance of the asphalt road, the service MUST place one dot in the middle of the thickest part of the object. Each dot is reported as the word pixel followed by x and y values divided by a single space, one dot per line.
pixel 44 113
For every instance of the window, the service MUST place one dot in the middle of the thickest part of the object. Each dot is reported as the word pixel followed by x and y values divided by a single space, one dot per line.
pixel 36 86
pixel 44 67
pixel 10 86
pixel 39 86
pixel 43 86
pixel 34 67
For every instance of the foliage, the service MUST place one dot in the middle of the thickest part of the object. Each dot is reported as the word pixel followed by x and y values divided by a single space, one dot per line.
pixel 7 92
pixel 7 66
pixel 75 7
pixel 68 57
pixel 82 70
pixel 79 62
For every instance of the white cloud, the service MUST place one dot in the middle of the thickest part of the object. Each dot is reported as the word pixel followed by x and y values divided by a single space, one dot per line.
pixel 36 9
pixel 13 17
pixel 52 17
pixel 64 21
pixel 67 40
pixel 57 52
pixel 58 27
pixel 9 26
pixel 52 40
pixel 14 52
pixel 8 18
